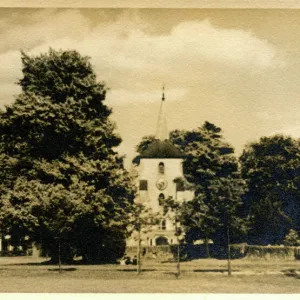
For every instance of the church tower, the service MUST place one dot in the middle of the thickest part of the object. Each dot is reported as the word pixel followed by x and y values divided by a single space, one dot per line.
pixel 160 165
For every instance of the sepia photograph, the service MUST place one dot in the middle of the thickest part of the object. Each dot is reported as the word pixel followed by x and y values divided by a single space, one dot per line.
pixel 150 149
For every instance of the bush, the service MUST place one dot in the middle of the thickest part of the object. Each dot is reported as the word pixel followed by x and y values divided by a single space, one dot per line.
pixel 13 253
pixel 292 238
pixel 297 253
pixel 268 252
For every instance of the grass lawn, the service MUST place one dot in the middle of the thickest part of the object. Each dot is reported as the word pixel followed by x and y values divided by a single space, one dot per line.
pixel 26 274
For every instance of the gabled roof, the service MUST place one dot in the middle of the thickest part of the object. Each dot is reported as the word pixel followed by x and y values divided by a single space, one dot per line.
pixel 161 149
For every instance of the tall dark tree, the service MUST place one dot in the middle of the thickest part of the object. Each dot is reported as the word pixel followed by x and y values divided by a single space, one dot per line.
pixel 225 203
pixel 62 182
pixel 271 168
pixel 208 163
pixel 199 221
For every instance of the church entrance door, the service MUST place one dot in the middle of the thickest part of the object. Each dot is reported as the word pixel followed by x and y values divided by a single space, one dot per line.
pixel 161 240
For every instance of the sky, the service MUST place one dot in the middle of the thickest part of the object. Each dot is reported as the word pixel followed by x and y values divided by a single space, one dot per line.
pixel 236 68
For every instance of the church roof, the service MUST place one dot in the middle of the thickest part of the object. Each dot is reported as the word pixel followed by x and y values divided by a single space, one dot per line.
pixel 161 149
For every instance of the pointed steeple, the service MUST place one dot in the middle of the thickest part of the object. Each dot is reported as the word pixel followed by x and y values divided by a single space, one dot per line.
pixel 161 130
pixel 161 147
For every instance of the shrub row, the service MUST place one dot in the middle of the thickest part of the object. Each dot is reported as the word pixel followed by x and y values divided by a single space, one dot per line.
pixel 297 252
pixel 266 252
pixel 15 253
pixel 188 252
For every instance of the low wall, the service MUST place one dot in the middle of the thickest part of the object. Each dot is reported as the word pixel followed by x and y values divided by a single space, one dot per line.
pixel 161 253
pixel 297 252
pixel 14 253
pixel 267 252
pixel 189 252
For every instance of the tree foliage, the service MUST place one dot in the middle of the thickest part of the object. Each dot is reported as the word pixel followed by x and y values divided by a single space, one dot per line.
pixel 271 168
pixel 211 166
pixel 292 238
pixel 61 179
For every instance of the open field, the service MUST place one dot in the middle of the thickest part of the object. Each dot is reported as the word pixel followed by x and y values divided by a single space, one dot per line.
pixel 25 274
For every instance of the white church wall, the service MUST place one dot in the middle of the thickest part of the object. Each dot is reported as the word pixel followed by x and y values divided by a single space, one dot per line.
pixel 149 170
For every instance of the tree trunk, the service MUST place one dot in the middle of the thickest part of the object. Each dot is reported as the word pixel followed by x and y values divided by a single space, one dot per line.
pixel 228 246
pixel 178 258
pixel 139 253
pixel 207 247
pixel 59 258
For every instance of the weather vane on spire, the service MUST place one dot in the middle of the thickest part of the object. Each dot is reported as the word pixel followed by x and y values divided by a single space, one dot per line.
pixel 162 131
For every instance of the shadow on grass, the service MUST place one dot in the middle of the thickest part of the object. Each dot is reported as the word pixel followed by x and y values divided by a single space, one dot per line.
pixel 292 273
pixel 74 263
pixel 214 270
pixel 173 273
pixel 134 270
pixel 28 264
pixel 42 263
pixel 63 270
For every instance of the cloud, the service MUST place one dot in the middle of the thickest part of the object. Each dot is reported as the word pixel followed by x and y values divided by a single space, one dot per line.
pixel 125 97
pixel 236 47
pixel 211 73
pixel 10 68
pixel 8 92
pixel 128 58
pixel 32 28
pixel 291 130
pixel 267 115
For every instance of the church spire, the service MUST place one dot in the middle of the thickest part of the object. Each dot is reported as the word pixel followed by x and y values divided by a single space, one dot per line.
pixel 162 131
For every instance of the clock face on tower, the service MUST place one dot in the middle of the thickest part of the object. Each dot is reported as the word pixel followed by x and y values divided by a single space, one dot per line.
pixel 161 184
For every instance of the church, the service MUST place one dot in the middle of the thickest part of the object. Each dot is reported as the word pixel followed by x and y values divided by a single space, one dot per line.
pixel 159 169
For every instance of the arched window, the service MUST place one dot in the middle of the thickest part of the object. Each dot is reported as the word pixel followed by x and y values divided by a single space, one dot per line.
pixel 161 198
pixel 161 168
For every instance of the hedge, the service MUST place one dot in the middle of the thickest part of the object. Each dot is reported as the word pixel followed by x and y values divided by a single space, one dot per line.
pixel 189 252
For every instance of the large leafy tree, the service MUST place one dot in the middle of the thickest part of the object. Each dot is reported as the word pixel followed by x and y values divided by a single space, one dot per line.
pixel 211 166
pixel 62 183
pixel 271 168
